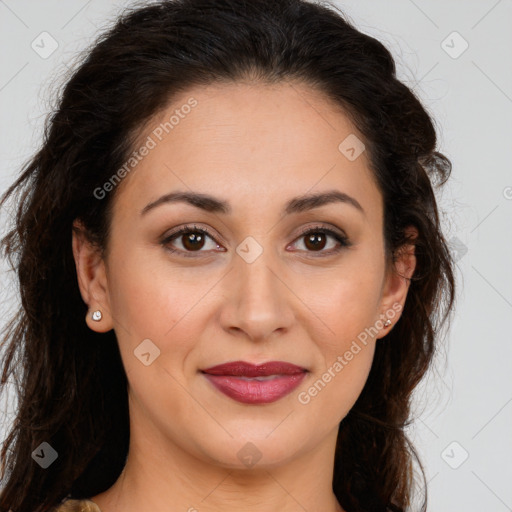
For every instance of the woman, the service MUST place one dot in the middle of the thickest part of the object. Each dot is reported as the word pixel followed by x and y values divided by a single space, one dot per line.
pixel 231 267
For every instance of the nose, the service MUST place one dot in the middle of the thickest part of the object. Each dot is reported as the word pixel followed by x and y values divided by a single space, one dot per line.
pixel 258 299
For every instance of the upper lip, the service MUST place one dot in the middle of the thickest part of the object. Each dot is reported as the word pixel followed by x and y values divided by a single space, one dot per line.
pixel 245 369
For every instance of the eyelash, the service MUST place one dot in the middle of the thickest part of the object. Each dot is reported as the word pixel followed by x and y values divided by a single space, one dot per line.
pixel 342 240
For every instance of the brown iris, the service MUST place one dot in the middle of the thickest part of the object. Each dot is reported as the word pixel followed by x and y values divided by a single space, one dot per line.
pixel 314 241
pixel 193 241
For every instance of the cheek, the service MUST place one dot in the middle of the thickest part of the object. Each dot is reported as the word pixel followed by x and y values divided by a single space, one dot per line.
pixel 335 387
pixel 149 296
pixel 335 390
pixel 155 311
pixel 347 299
pixel 347 309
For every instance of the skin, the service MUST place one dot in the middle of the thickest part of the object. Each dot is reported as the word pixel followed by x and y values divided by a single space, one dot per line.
pixel 255 146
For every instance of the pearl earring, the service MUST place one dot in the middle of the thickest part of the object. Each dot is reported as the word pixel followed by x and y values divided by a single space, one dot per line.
pixel 96 315
pixel 387 323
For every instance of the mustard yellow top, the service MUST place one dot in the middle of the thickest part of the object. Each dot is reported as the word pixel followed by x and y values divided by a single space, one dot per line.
pixel 77 506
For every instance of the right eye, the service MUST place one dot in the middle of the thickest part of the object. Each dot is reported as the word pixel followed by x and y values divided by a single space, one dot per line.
pixel 191 238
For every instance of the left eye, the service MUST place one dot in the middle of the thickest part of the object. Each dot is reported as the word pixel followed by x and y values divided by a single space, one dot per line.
pixel 315 240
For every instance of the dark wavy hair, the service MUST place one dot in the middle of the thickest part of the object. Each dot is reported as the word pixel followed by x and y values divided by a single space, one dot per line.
pixel 70 381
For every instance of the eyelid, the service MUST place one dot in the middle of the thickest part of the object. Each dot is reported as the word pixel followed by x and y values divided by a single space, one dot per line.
pixel 328 228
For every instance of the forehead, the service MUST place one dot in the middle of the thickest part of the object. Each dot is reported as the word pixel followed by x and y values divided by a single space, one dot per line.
pixel 256 143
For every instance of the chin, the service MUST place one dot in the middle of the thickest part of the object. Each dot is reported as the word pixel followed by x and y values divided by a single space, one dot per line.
pixel 265 449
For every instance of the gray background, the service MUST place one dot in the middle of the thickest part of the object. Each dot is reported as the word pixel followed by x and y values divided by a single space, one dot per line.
pixel 464 410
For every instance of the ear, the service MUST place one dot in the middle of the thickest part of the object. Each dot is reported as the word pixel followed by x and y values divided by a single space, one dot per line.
pixel 397 281
pixel 92 279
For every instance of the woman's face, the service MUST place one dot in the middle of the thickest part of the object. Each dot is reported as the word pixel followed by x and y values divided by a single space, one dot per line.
pixel 254 288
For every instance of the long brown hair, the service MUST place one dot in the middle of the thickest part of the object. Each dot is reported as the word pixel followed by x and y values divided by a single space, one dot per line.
pixel 71 383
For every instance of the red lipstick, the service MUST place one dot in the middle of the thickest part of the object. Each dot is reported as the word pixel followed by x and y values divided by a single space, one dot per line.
pixel 255 384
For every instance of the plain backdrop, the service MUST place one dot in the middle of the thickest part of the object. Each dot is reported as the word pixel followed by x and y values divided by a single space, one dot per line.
pixel 457 57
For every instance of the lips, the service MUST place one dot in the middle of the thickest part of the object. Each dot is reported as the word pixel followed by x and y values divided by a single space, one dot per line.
pixel 244 369
pixel 255 384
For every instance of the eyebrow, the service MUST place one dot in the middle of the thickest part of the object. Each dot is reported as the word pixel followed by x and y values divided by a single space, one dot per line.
pixel 296 205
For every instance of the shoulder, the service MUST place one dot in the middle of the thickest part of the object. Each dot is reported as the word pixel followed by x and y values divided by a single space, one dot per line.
pixel 70 505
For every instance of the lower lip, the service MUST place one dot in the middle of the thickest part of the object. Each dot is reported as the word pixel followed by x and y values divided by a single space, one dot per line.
pixel 256 391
